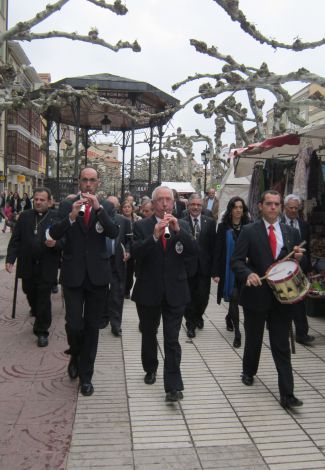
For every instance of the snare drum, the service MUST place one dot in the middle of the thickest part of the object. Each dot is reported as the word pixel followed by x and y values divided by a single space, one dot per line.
pixel 287 281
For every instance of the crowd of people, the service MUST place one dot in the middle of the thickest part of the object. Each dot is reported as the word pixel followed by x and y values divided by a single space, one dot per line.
pixel 163 253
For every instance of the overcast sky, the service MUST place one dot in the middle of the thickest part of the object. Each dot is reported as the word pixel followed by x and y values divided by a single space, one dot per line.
pixel 163 28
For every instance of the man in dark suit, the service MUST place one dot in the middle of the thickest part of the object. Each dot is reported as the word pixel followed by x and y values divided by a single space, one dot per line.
pixel 259 245
pixel 85 273
pixel 292 205
pixel 179 206
pixel 163 248
pixel 38 260
pixel 119 253
pixel 204 232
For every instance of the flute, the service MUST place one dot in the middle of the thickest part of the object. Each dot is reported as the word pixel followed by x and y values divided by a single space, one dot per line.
pixel 167 232
pixel 82 209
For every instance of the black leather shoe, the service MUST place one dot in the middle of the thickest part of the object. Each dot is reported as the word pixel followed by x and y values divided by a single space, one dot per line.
pixel 190 333
pixel 229 325
pixel 55 289
pixel 237 342
pixel 117 332
pixel 86 389
pixel 247 379
pixel 305 339
pixel 290 401
pixel 150 378
pixel 200 324
pixel 174 395
pixel 42 341
pixel 73 371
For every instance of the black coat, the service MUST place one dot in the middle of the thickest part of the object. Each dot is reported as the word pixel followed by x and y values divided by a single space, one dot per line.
pixel 178 210
pixel 29 247
pixel 161 273
pixel 253 254
pixel 85 251
pixel 220 258
pixel 205 243
pixel 124 238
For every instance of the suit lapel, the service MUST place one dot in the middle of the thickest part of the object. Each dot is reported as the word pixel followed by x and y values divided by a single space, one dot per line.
pixel 264 239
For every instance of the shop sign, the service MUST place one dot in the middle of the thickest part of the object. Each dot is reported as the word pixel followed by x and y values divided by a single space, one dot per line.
pixel 21 178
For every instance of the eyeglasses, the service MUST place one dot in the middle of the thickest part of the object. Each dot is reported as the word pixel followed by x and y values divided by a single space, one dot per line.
pixel 89 180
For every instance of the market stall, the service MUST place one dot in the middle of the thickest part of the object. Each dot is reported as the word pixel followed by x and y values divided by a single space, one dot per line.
pixel 292 163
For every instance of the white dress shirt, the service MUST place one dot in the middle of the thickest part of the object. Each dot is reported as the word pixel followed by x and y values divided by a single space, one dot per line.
pixel 278 235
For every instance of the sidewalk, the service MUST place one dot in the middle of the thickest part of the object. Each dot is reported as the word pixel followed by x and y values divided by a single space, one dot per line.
pixel 126 425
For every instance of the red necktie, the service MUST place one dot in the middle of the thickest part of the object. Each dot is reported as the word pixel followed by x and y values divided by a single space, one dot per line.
pixel 87 215
pixel 164 240
pixel 272 240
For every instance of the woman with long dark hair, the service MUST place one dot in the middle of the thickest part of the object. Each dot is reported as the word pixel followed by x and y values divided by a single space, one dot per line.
pixel 235 216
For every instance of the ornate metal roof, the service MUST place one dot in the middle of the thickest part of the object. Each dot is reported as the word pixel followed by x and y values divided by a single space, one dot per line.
pixel 136 96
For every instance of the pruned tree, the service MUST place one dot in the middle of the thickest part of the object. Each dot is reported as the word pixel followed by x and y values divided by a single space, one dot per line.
pixel 236 78
pixel 12 93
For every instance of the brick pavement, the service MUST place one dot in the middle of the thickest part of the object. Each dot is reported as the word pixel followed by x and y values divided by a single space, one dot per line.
pixel 126 425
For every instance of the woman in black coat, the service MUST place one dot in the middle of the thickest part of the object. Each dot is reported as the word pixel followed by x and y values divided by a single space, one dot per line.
pixel 234 218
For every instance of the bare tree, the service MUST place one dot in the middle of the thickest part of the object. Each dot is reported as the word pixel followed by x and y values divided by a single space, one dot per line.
pixel 12 94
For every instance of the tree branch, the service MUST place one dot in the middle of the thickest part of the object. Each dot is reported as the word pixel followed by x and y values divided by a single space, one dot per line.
pixel 232 9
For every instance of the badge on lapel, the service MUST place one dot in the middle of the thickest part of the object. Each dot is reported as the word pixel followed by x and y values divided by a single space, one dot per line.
pixel 179 248
pixel 99 228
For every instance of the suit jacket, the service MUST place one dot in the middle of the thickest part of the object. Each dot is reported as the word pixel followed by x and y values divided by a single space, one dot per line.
pixel 304 236
pixel 159 273
pixel 124 238
pixel 205 243
pixel 85 251
pixel 215 207
pixel 180 207
pixel 29 247
pixel 253 254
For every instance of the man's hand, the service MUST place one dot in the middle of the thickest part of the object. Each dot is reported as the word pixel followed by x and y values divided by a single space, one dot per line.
pixel 173 222
pixel 126 256
pixel 216 279
pixel 298 252
pixel 92 200
pixel 253 280
pixel 76 208
pixel 50 243
pixel 9 267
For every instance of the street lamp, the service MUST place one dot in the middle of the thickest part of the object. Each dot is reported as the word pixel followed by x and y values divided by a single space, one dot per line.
pixel 205 157
pixel 106 125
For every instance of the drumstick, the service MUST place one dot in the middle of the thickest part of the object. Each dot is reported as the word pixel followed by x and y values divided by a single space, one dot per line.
pixel 286 258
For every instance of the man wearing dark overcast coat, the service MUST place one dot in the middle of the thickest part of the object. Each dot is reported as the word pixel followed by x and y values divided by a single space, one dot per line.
pixel 85 273
pixel 38 260
pixel 161 288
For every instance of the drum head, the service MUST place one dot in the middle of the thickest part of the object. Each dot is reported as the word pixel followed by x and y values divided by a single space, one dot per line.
pixel 282 270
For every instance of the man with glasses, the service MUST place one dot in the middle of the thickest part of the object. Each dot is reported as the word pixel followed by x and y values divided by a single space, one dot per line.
pixel 85 272
pixel 258 246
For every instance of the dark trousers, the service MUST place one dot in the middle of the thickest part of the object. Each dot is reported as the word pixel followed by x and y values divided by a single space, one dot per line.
pixel 115 297
pixel 233 311
pixel 200 290
pixel 279 320
pixel 300 319
pixel 129 275
pixel 85 307
pixel 172 320
pixel 38 293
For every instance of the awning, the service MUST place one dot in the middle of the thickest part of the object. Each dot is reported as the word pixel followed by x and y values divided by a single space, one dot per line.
pixel 245 158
